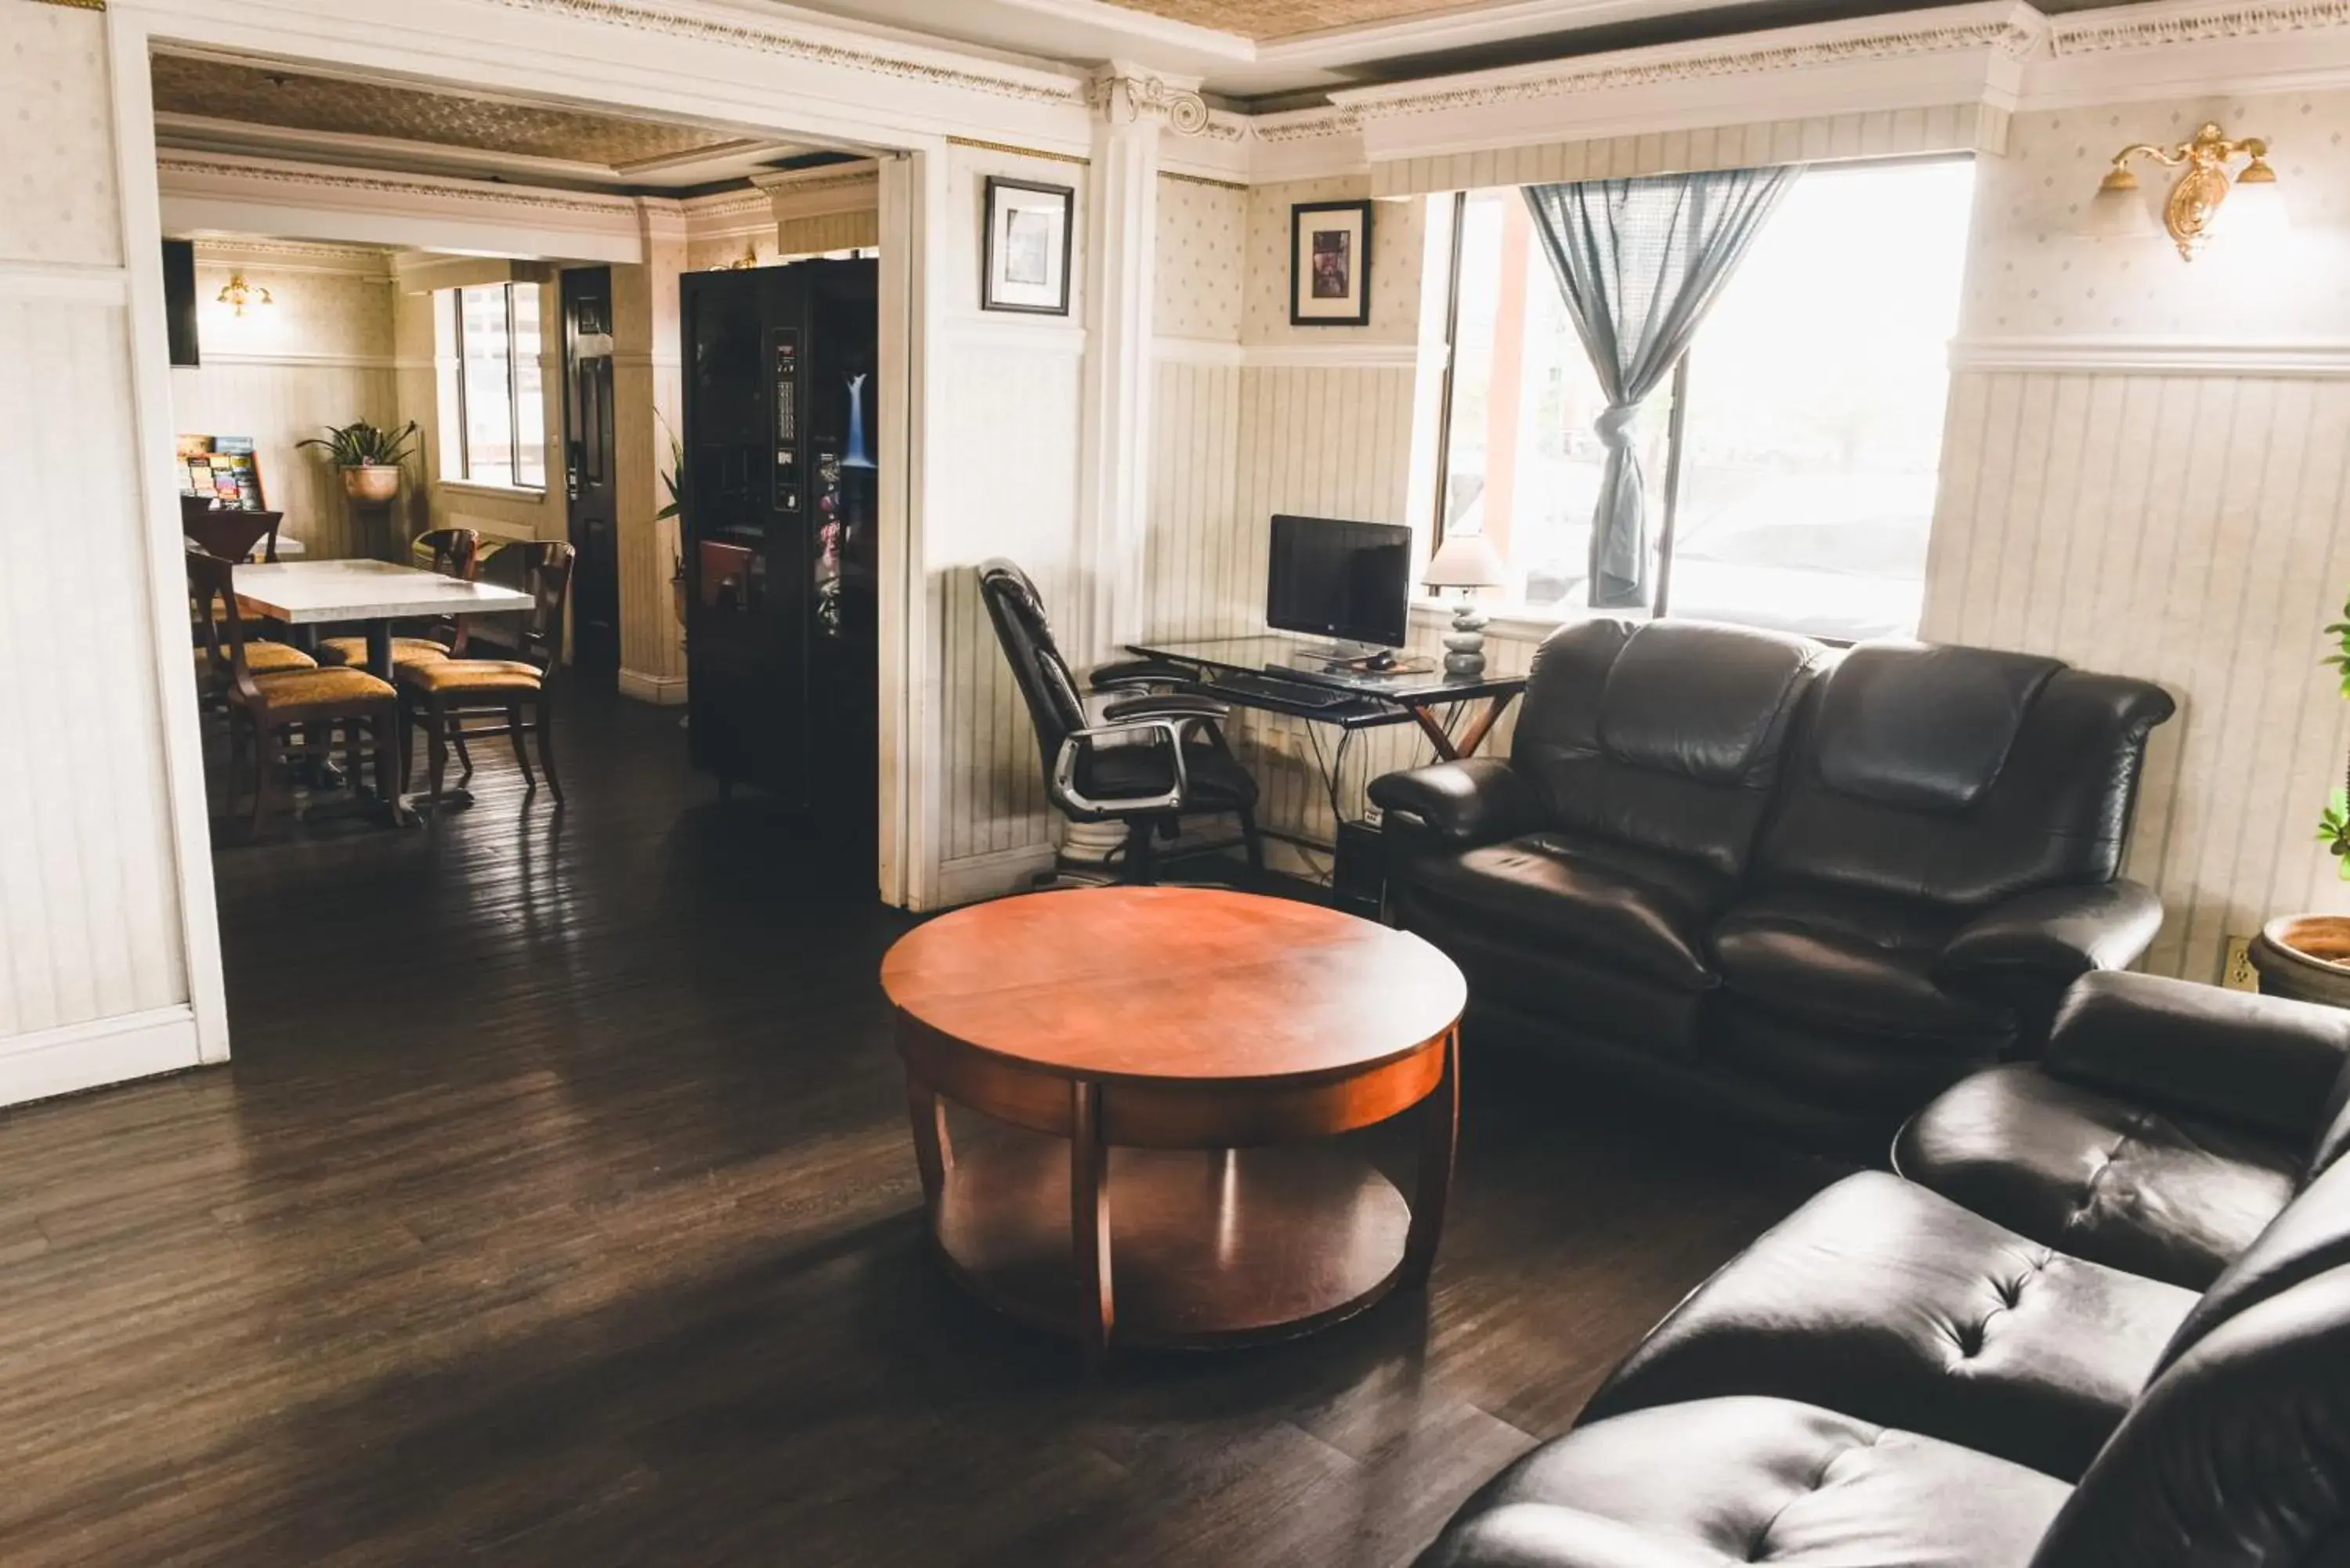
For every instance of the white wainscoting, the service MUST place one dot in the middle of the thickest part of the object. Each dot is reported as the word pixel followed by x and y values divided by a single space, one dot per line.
pixel 1010 461
pixel 90 897
pixel 2193 530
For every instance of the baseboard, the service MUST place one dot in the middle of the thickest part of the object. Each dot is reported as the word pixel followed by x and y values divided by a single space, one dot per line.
pixel 978 876
pixel 78 1056
pixel 661 691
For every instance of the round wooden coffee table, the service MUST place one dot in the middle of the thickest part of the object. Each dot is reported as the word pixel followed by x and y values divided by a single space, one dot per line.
pixel 1188 1043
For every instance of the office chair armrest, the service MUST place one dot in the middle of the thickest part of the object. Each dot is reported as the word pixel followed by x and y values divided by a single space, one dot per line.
pixel 1166 705
pixel 1130 674
pixel 1062 784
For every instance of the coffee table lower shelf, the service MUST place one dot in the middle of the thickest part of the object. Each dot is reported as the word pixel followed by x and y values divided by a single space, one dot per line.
pixel 1208 1249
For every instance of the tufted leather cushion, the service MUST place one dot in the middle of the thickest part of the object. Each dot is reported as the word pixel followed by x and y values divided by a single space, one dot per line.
pixel 353 650
pixel 1612 903
pixel 1664 736
pixel 1925 728
pixel 1855 963
pixel 470 677
pixel 2238 1455
pixel 1130 771
pixel 308 688
pixel 1883 1301
pixel 260 658
pixel 2172 1197
pixel 1724 1482
pixel 2055 808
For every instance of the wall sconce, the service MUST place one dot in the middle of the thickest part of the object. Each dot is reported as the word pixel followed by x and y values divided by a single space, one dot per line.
pixel 237 294
pixel 2192 207
pixel 743 262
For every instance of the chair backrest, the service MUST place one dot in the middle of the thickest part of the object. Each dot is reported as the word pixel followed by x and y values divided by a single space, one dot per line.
pixel 229 533
pixel 1054 706
pixel 2237 1452
pixel 1666 735
pixel 456 553
pixel 212 581
pixel 193 507
pixel 546 578
pixel 1959 775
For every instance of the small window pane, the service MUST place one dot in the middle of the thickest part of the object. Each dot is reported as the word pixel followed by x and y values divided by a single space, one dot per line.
pixel 489 398
pixel 530 407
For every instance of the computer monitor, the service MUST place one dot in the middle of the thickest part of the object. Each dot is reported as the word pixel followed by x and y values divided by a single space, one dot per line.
pixel 1330 577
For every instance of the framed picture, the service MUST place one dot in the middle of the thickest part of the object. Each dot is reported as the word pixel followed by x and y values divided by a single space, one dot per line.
pixel 1330 263
pixel 1025 258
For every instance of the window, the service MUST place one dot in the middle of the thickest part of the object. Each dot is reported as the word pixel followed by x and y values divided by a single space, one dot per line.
pixel 1796 486
pixel 500 418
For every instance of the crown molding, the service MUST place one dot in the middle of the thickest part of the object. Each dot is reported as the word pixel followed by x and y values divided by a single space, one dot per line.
pixel 371 262
pixel 2004 28
pixel 2192 22
pixel 814 43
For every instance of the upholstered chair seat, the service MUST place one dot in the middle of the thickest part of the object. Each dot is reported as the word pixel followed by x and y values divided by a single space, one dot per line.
pixel 353 650
pixel 308 688
pixel 470 675
pixel 261 658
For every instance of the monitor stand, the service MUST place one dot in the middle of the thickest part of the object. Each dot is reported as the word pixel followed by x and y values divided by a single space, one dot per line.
pixel 1349 654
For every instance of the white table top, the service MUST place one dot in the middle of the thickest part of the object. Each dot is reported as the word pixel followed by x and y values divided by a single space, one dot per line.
pixel 304 591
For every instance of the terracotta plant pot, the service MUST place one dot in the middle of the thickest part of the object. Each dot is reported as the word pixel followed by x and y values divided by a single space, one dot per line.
pixel 2305 957
pixel 375 484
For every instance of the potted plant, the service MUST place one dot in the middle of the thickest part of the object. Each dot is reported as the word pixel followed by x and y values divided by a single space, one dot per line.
pixel 370 456
pixel 676 503
pixel 2308 956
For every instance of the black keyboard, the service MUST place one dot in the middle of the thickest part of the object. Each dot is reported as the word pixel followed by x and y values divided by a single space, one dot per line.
pixel 1296 693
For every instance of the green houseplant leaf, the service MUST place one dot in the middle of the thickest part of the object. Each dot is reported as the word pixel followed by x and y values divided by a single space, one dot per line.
pixel 363 445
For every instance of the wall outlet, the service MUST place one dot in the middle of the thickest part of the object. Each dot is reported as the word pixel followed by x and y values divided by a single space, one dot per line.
pixel 2236 972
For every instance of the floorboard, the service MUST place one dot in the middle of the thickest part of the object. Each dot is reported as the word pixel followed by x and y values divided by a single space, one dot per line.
pixel 557 1208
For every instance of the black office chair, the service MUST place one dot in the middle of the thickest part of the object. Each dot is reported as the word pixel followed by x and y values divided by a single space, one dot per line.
pixel 1156 755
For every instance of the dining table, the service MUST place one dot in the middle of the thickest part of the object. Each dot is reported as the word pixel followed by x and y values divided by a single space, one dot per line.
pixel 372 594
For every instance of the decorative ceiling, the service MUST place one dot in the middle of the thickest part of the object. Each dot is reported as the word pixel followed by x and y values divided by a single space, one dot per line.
pixel 266 95
pixel 1261 20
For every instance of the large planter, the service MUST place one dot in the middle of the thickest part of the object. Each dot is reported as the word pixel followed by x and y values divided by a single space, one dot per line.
pixel 2304 957
pixel 374 483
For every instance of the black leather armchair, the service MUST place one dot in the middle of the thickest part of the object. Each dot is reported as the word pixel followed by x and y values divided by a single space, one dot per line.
pixel 1154 755
pixel 1729 865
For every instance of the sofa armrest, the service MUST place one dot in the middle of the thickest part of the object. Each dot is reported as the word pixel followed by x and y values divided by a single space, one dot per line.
pixel 1460 805
pixel 2258 1061
pixel 2055 934
pixel 1164 704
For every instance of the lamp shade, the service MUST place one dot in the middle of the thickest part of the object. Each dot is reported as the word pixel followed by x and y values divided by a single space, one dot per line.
pixel 2117 212
pixel 2255 209
pixel 1465 561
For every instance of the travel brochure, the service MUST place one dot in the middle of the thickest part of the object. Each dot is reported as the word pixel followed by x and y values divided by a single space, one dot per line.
pixel 222 467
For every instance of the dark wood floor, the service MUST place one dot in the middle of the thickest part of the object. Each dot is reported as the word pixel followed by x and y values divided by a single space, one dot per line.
pixel 558 1209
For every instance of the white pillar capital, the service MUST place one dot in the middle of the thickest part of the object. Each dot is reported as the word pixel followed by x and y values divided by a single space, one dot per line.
pixel 1123 95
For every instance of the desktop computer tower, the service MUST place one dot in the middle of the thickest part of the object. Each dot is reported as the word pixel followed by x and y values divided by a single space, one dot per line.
pixel 777 521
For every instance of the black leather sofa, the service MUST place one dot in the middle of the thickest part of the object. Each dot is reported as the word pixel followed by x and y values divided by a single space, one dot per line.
pixel 1806 888
pixel 1888 1378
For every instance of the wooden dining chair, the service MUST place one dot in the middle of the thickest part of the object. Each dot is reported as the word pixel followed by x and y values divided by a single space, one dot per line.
pixel 231 534
pixel 451 697
pixel 214 663
pixel 456 553
pixel 281 711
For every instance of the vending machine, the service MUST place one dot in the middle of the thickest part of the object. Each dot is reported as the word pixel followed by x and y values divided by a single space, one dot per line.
pixel 778 518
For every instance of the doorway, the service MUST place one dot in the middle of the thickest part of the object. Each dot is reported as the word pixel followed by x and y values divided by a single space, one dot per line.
pixel 588 448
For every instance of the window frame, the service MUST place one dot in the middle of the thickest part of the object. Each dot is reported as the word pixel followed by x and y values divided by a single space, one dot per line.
pixel 462 422
pixel 1662 605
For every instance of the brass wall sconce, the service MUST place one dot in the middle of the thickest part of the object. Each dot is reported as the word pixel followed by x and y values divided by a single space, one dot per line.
pixel 2193 205
pixel 237 294
pixel 743 262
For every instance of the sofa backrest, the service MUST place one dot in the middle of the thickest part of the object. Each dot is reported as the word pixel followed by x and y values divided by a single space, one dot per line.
pixel 1667 734
pixel 2237 1454
pixel 2309 1237
pixel 1959 775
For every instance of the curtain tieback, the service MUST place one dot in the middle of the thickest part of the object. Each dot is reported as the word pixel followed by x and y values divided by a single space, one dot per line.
pixel 1614 426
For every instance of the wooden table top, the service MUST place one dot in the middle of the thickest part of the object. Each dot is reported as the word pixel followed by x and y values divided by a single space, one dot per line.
pixel 1174 983
pixel 303 591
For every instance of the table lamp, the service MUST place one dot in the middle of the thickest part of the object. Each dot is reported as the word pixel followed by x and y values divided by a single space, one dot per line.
pixel 1467 562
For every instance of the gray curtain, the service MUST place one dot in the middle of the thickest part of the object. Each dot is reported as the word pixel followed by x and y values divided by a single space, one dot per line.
pixel 1640 262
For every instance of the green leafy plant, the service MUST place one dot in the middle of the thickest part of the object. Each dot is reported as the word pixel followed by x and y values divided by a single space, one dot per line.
pixel 677 466
pixel 2334 826
pixel 362 445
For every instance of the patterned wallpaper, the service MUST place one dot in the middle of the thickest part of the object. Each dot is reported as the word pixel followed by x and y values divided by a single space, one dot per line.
pixel 57 143
pixel 1396 230
pixel 2034 275
pixel 1198 259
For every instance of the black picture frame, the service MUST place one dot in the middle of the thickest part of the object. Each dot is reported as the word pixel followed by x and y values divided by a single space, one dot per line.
pixel 1359 269
pixel 991 290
